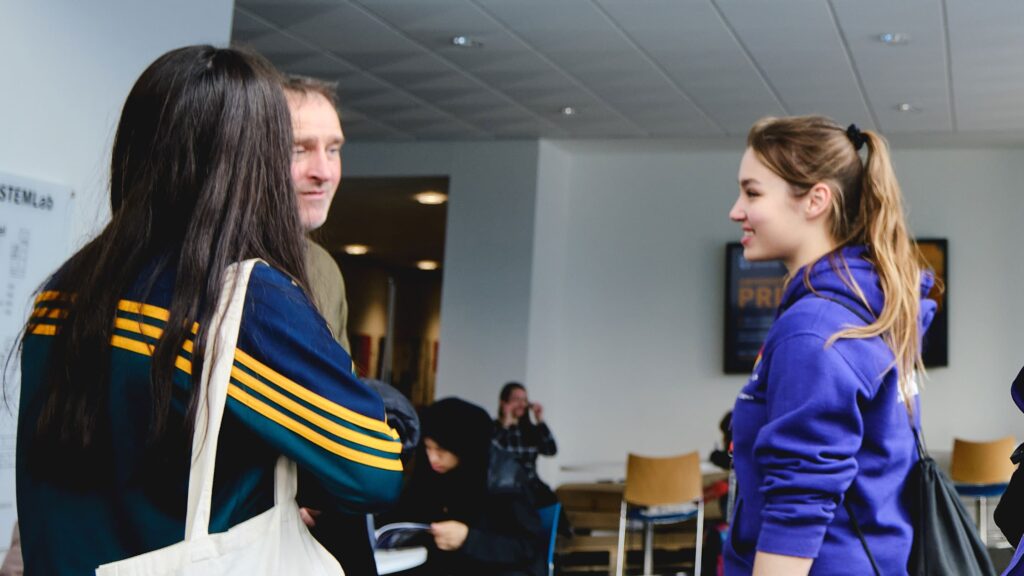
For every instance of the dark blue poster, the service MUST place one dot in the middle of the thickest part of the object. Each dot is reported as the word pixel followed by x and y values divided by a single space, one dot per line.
pixel 754 292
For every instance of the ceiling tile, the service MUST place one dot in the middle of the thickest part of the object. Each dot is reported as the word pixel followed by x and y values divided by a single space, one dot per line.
pixel 245 27
pixel 656 68
pixel 285 14
pixel 588 46
pixel 320 66
pixel 913 73
pixel 434 22
pixel 798 47
pixel 347 30
pixel 691 43
pixel 987 68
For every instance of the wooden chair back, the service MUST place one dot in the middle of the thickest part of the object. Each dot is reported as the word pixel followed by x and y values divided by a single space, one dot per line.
pixel 661 481
pixel 982 462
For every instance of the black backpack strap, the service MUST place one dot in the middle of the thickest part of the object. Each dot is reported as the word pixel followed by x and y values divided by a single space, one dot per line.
pixel 846 501
pixel 857 311
pixel 856 528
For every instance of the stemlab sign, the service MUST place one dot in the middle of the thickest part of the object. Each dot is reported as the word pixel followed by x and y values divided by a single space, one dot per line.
pixel 20 196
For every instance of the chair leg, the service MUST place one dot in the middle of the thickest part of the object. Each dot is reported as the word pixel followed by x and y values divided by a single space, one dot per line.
pixel 700 538
pixel 983 520
pixel 648 548
pixel 620 555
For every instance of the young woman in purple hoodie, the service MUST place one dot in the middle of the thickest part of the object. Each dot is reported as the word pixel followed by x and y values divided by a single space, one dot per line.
pixel 822 429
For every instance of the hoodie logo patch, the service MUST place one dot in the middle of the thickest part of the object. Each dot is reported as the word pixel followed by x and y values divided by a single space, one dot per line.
pixel 757 361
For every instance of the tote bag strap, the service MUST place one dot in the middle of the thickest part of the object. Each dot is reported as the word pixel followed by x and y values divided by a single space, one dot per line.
pixel 217 364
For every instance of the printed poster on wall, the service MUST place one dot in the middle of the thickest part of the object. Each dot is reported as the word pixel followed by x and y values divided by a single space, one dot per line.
pixel 34 227
pixel 754 290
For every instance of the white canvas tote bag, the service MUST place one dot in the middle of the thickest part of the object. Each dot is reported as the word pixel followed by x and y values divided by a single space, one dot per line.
pixel 275 542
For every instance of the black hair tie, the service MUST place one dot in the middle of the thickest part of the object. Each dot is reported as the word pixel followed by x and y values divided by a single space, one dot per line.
pixel 856 137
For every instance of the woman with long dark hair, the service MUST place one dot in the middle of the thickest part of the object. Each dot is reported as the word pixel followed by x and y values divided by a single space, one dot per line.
pixel 822 431
pixel 199 180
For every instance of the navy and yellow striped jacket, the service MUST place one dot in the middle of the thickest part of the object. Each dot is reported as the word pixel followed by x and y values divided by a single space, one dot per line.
pixel 292 392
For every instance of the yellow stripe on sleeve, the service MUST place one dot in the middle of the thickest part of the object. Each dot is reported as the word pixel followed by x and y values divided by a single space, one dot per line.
pixel 48 295
pixel 132 345
pixel 146 349
pixel 183 364
pixel 147 330
pixel 155 312
pixel 314 418
pixel 313 398
pixel 280 399
pixel 43 329
pixel 51 313
pixel 155 332
pixel 314 437
pixel 138 327
pixel 144 309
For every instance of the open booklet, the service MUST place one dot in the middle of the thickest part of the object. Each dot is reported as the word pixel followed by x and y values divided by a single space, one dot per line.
pixel 402 534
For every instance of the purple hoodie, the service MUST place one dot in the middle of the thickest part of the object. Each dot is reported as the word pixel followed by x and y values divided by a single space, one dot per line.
pixel 1016 567
pixel 814 421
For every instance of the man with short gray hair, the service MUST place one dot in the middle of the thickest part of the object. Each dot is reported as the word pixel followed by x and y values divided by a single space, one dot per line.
pixel 316 174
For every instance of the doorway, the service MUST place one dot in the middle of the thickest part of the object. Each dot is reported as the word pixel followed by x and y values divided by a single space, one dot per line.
pixel 387 235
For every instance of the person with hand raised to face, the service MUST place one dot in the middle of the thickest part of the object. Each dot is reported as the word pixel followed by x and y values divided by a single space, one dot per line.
pixel 515 432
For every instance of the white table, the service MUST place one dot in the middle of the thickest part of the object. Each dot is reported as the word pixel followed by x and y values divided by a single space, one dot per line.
pixel 615 470
pixel 398 559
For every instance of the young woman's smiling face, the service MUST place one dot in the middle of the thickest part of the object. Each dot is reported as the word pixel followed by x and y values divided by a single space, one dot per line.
pixel 773 219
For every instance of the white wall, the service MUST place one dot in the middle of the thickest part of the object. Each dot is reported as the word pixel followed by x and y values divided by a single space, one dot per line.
pixel 67 67
pixel 488 254
pixel 641 319
pixel 625 299
pixel 973 197
pixel 546 368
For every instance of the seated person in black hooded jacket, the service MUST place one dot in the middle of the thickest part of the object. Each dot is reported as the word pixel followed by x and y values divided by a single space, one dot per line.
pixel 483 522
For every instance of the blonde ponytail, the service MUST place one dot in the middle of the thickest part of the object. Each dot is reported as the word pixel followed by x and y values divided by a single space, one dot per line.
pixel 898 263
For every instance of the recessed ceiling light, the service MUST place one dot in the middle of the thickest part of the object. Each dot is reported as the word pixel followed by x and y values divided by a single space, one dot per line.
pixel 894 38
pixel 431 197
pixel 427 265
pixel 466 42
pixel 356 249
pixel 568 111
pixel 907 107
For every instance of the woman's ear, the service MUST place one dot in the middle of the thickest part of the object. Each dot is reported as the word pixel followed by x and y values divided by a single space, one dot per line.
pixel 819 200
